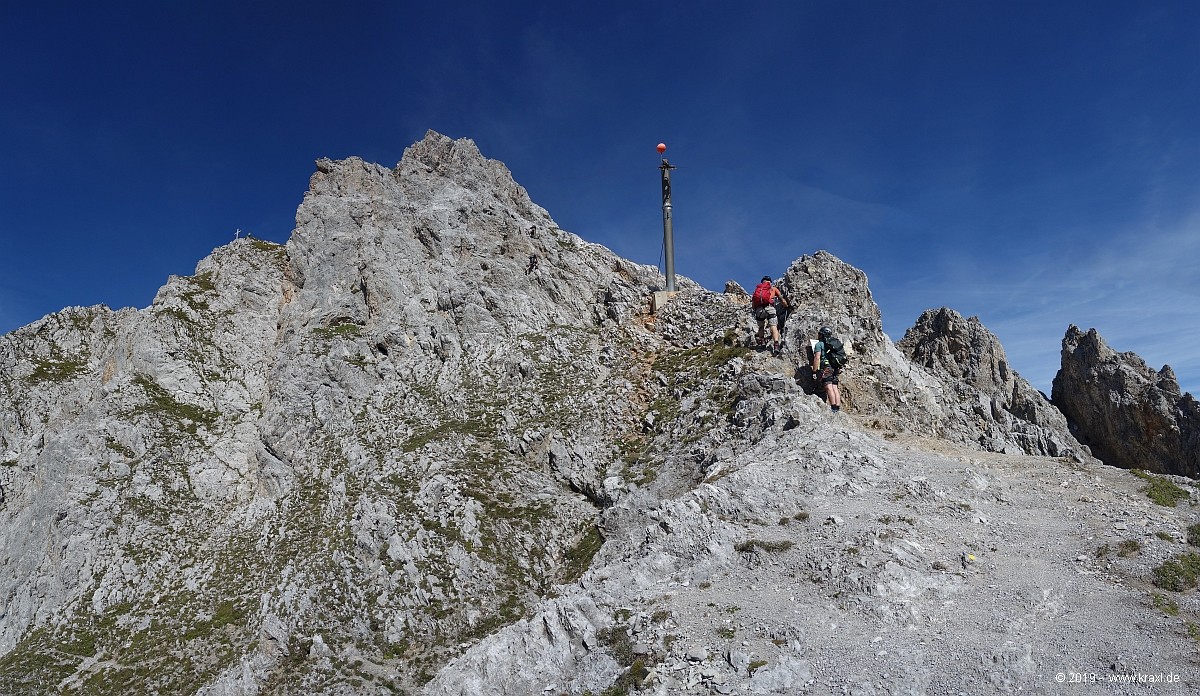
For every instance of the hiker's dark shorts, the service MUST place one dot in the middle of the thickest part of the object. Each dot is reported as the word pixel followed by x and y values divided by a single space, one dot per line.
pixel 828 376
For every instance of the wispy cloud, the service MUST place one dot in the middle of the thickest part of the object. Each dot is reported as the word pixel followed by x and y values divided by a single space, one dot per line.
pixel 1138 290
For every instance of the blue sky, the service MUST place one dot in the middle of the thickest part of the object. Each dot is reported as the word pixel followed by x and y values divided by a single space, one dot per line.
pixel 1036 164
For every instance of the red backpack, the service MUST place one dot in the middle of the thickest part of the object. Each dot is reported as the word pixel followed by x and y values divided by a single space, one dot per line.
pixel 762 294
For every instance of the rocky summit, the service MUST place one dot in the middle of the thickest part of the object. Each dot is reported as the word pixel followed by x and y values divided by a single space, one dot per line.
pixel 1129 414
pixel 436 444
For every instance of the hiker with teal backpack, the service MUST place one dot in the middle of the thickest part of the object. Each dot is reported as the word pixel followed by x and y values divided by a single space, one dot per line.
pixel 828 359
pixel 763 303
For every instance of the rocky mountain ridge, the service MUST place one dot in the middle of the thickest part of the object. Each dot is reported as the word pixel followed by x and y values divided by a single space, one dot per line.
pixel 436 444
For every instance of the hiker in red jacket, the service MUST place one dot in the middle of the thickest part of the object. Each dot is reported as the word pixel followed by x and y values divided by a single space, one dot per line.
pixel 763 302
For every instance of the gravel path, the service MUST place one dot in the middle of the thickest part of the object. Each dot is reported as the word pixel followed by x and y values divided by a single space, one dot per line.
pixel 850 561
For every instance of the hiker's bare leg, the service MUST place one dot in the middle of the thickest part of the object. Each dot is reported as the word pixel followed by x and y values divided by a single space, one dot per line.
pixel 833 396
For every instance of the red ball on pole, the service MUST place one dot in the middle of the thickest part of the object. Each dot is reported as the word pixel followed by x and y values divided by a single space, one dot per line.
pixel 662 147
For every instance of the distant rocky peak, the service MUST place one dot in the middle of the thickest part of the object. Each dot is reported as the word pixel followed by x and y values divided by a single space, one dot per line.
pixel 437 150
pixel 1129 414
pixel 961 348
pixel 1167 381
pixel 988 395
pixel 1088 347
pixel 461 163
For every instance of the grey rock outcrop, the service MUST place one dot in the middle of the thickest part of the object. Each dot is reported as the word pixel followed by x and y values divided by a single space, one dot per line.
pixel 436 444
pixel 1129 414
pixel 385 438
pixel 826 291
pixel 948 377
pixel 1010 415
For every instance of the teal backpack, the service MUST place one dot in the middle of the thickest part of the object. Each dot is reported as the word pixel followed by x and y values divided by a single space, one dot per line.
pixel 835 353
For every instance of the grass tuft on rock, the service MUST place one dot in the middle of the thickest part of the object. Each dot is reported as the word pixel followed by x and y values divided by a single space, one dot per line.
pixel 1193 535
pixel 750 545
pixel 1160 490
pixel 1179 574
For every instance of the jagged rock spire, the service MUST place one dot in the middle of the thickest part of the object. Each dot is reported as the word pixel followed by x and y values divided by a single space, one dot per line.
pixel 1131 415
pixel 992 399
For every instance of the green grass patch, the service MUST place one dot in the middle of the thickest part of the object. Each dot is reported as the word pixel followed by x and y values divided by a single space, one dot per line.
pixel 479 429
pixel 1193 535
pixel 358 360
pixel 1128 547
pixel 579 557
pixel 750 545
pixel 201 284
pixel 1178 574
pixel 1164 604
pixel 164 406
pixel 146 649
pixel 204 282
pixel 620 646
pixel 55 370
pixel 618 642
pixel 1160 490
pixel 278 250
pixel 121 449
pixel 338 331
pixel 685 370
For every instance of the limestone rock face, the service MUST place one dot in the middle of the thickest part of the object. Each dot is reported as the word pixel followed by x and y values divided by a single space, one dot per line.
pixel 823 290
pixel 827 291
pixel 388 436
pixel 948 376
pixel 962 349
pixel 1129 414
pixel 436 444
pixel 1008 412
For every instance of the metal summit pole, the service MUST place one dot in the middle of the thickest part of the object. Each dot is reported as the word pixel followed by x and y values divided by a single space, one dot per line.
pixel 668 241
